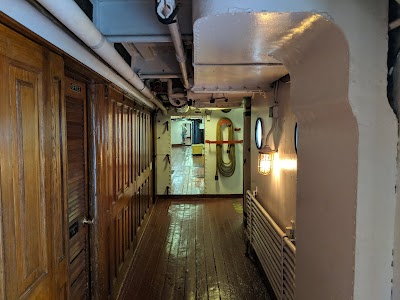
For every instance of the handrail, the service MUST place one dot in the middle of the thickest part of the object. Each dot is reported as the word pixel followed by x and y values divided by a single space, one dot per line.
pixel 290 244
pixel 266 214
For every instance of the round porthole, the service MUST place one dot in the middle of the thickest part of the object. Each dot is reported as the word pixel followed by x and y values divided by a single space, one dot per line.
pixel 259 133
pixel 296 136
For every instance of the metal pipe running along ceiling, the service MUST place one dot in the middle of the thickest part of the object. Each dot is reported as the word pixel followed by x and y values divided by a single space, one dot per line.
pixel 29 17
pixel 70 14
pixel 167 12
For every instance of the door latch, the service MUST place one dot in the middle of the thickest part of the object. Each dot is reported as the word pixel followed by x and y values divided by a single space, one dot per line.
pixel 88 221
pixel 166 124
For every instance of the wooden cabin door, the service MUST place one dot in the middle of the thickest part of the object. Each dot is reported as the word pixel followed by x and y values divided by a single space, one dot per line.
pixel 33 252
pixel 77 190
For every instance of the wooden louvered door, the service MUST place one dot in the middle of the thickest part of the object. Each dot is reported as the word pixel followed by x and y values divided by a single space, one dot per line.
pixel 77 189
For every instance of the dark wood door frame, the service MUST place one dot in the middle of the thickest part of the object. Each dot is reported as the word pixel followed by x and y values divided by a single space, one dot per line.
pixel 98 192
pixel 248 139
pixel 97 209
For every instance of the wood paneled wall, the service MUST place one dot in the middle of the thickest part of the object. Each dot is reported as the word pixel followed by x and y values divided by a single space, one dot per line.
pixel 34 171
pixel 121 138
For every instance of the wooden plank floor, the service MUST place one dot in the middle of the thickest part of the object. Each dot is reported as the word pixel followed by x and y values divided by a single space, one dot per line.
pixel 187 172
pixel 194 250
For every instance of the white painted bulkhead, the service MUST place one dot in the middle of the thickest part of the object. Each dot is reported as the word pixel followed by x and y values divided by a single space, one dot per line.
pixel 276 192
pixel 345 194
pixel 395 94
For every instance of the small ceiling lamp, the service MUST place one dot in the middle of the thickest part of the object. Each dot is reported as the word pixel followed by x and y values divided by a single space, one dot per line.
pixel 266 154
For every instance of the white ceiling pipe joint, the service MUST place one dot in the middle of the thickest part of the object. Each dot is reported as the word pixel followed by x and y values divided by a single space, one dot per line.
pixel 70 14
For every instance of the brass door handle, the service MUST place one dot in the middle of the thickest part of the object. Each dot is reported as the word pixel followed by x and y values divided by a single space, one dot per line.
pixel 87 221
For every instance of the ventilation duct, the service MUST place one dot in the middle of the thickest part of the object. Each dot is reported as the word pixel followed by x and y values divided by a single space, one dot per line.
pixel 224 63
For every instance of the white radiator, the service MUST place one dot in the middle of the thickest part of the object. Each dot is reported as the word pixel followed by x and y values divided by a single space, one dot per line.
pixel 275 251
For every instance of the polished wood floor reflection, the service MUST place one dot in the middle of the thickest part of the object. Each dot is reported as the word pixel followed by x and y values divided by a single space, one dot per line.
pixel 194 250
pixel 187 172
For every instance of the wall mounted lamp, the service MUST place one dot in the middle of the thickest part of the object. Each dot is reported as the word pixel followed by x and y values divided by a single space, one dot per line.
pixel 266 154
pixel 265 160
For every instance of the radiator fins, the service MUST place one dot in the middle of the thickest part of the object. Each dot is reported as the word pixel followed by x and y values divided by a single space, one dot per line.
pixel 276 253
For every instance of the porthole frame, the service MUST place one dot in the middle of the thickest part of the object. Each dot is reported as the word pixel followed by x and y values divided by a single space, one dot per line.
pixel 258 138
pixel 296 136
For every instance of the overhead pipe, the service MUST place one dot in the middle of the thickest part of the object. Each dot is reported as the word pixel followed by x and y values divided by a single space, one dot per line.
pixel 70 15
pixel 180 51
pixel 167 14
pixel 26 15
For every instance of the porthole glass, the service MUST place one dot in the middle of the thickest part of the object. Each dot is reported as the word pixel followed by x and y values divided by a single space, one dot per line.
pixel 296 136
pixel 259 133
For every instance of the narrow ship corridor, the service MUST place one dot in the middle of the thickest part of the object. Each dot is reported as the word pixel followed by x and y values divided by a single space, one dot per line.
pixel 194 250
pixel 209 149
pixel 187 171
